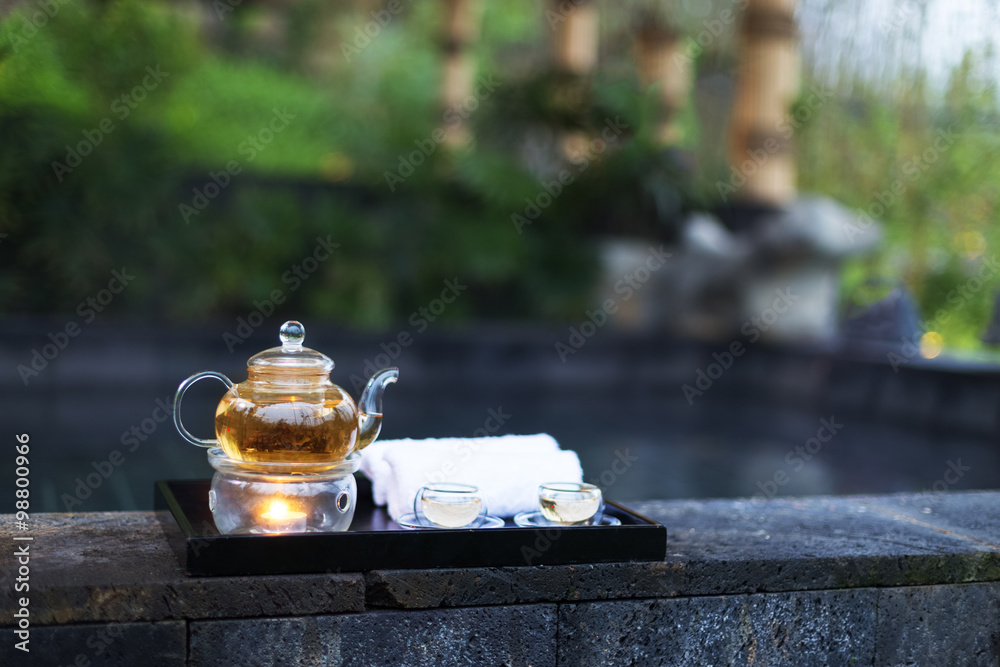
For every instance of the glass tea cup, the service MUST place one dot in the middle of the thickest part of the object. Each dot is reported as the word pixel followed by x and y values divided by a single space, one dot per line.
pixel 448 505
pixel 571 503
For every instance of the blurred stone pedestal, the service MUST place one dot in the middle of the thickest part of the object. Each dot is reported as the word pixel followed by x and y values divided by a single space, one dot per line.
pixel 770 274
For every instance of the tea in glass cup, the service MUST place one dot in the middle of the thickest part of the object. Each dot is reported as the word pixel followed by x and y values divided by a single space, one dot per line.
pixel 450 505
pixel 571 503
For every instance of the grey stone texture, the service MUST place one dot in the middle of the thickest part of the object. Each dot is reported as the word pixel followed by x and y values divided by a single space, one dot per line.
pixel 99 645
pixel 721 547
pixel 883 580
pixel 793 629
pixel 958 626
pixel 514 636
pixel 117 566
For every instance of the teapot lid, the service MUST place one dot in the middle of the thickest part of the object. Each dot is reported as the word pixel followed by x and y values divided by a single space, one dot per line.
pixel 291 357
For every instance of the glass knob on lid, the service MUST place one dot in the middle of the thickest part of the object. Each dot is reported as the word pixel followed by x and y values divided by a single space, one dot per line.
pixel 291 356
pixel 292 335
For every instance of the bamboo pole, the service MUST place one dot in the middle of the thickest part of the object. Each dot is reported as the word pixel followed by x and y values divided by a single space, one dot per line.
pixel 760 141
pixel 575 37
pixel 575 25
pixel 660 63
pixel 323 54
pixel 268 31
pixel 461 23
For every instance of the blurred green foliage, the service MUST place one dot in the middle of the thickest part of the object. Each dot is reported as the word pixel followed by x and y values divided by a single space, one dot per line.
pixel 939 149
pixel 357 116
pixel 324 175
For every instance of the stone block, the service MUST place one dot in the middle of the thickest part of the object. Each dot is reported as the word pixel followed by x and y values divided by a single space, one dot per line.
pixel 100 645
pixel 454 587
pixel 958 626
pixel 515 635
pixel 685 631
pixel 813 628
pixel 780 629
pixel 117 566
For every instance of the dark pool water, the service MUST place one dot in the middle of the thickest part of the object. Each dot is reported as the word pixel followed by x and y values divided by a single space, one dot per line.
pixel 100 437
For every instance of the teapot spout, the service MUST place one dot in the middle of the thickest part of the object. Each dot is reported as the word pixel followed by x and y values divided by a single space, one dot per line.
pixel 370 407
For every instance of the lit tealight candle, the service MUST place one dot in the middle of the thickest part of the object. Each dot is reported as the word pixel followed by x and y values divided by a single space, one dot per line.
pixel 279 519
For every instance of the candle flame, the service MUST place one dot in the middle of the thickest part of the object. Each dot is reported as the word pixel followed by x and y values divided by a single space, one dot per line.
pixel 278 509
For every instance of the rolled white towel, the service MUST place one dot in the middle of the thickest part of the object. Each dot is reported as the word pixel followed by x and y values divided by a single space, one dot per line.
pixel 508 469
pixel 375 466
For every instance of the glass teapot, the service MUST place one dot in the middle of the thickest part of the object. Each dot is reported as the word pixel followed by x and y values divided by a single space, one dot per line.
pixel 288 410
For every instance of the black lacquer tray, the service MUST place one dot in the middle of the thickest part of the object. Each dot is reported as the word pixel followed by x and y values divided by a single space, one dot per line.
pixel 375 542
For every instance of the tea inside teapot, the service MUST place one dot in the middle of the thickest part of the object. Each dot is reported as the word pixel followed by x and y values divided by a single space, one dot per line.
pixel 288 410
pixel 310 427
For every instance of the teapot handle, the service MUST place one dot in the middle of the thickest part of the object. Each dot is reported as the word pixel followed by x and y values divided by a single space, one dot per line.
pixel 177 405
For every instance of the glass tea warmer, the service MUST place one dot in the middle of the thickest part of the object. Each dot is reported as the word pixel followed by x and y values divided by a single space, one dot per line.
pixel 280 498
pixel 285 428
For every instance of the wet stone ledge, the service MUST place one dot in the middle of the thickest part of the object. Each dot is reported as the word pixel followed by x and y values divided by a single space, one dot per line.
pixel 875 580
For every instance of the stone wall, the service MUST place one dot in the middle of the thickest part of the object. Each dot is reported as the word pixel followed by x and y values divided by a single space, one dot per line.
pixel 878 580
